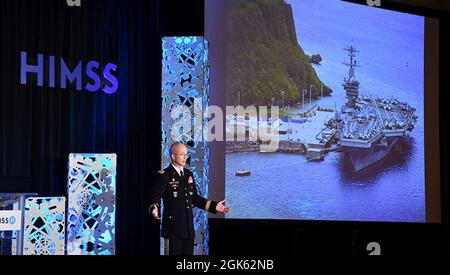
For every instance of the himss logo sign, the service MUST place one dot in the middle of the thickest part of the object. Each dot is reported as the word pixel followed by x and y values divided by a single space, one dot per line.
pixel 10 220
pixel 90 76
pixel 73 3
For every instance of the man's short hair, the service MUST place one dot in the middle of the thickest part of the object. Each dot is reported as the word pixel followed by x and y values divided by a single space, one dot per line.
pixel 173 146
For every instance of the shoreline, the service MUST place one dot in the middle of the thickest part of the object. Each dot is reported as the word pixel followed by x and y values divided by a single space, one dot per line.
pixel 292 147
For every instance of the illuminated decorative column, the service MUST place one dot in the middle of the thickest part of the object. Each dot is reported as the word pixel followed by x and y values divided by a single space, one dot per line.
pixel 44 232
pixel 92 204
pixel 185 86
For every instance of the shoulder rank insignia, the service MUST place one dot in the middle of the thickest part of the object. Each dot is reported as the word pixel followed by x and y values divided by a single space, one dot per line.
pixel 161 172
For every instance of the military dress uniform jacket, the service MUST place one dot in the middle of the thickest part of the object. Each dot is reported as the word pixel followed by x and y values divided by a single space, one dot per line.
pixel 179 195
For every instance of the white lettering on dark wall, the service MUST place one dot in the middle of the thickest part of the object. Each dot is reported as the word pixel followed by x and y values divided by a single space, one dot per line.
pixel 97 77
pixel 73 3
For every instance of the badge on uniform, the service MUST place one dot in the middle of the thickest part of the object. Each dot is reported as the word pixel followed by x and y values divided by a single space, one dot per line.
pixel 174 185
pixel 190 180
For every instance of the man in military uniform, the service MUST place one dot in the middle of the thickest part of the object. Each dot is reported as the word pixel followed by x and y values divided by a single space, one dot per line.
pixel 176 186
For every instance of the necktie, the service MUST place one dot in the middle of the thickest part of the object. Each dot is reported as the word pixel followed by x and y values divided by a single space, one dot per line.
pixel 181 173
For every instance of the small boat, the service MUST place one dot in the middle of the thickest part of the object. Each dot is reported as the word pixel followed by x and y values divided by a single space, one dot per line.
pixel 243 173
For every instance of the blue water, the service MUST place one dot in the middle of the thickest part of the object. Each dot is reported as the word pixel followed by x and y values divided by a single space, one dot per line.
pixel 284 186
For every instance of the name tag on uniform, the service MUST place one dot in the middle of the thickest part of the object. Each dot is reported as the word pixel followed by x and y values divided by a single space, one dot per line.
pixel 190 180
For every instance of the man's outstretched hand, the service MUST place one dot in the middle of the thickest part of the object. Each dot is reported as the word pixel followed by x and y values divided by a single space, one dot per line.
pixel 222 208
pixel 155 213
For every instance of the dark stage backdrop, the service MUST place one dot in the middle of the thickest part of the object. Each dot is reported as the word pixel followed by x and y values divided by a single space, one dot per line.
pixel 40 126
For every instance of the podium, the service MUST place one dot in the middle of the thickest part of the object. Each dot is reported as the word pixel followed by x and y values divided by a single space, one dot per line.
pixel 12 214
pixel 32 225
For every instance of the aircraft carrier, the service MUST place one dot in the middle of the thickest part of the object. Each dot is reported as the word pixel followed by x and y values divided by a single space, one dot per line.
pixel 367 128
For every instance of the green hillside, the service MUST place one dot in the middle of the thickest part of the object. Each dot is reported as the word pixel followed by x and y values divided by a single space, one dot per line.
pixel 264 56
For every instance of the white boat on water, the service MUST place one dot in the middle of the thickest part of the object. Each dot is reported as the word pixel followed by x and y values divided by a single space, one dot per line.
pixel 243 173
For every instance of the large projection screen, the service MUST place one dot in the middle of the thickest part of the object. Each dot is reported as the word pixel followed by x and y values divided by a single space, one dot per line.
pixel 357 89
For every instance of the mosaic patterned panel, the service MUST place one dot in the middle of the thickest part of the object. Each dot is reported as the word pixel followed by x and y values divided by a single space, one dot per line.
pixel 185 82
pixel 44 231
pixel 92 204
